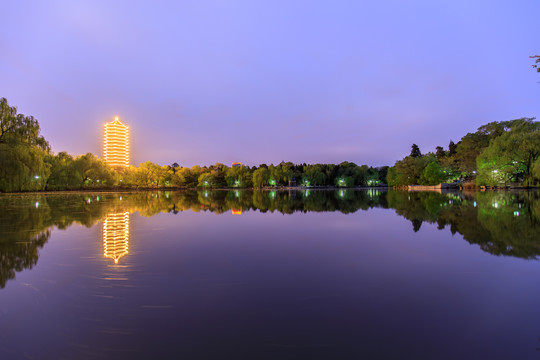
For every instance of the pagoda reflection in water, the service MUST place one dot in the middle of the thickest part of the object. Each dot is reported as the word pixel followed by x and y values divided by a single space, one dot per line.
pixel 116 235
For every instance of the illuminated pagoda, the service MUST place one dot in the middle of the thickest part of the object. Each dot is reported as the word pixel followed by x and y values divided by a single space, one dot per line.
pixel 116 235
pixel 116 143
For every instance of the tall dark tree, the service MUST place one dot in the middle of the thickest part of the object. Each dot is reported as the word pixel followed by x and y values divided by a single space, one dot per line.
pixel 452 147
pixel 415 151
pixel 440 153
pixel 173 167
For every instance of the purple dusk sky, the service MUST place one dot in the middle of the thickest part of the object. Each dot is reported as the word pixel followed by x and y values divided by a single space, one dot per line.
pixel 201 82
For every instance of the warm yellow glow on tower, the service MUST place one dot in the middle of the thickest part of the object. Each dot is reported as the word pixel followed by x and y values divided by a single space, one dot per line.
pixel 116 235
pixel 116 143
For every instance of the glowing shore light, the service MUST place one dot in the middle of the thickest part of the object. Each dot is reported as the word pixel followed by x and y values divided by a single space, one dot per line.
pixel 236 212
pixel 116 143
pixel 116 235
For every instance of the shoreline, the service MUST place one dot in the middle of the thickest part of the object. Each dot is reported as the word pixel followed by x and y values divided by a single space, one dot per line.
pixel 130 190
pixel 412 188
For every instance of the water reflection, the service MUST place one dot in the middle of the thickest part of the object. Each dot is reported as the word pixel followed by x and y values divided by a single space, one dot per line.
pixel 116 235
pixel 501 223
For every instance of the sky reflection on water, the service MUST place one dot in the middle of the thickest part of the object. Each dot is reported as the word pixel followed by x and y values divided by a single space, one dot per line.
pixel 316 284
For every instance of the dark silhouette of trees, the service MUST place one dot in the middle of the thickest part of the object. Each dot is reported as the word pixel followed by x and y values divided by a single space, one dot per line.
pixel 415 151
pixel 440 153
pixel 452 148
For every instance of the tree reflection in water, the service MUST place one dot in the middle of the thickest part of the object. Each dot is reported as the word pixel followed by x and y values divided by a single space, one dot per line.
pixel 501 223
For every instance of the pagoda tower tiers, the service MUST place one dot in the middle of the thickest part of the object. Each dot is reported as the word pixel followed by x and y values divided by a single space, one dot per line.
pixel 116 143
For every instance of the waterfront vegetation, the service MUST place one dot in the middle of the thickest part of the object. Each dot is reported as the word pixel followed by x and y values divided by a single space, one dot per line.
pixel 497 154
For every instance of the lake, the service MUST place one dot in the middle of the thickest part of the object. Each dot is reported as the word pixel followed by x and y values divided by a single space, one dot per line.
pixel 313 274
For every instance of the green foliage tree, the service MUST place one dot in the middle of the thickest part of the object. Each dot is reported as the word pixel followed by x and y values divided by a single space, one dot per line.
pixel 383 172
pixel 206 180
pixel 409 170
pixel 314 175
pixel 92 171
pixel 238 176
pixel 395 178
pixel 372 177
pixel 22 151
pixel 432 174
pixel 19 129
pixel 512 156
pixel 260 177
pixel 63 175
pixel 189 177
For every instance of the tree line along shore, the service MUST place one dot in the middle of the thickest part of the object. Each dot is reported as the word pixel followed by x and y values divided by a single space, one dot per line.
pixel 497 154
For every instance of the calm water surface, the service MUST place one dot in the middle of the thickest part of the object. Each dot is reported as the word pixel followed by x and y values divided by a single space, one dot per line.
pixel 270 275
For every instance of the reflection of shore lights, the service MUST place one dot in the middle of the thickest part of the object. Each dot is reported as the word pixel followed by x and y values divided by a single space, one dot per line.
pixel 116 143
pixel 341 193
pixel 37 204
pixel 116 235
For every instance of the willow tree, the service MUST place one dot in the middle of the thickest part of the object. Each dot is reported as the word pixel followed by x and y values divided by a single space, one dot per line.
pixel 22 151
pixel 537 57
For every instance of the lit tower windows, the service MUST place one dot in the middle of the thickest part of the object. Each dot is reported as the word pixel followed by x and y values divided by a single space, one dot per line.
pixel 116 143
